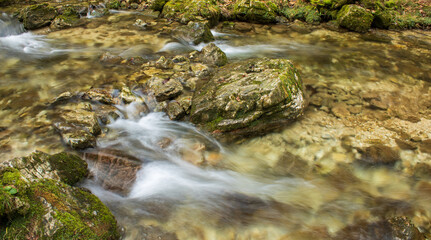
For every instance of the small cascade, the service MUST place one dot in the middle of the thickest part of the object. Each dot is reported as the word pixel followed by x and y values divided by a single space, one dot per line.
pixel 10 26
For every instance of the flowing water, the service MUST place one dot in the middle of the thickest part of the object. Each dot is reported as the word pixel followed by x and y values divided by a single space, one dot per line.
pixel 300 183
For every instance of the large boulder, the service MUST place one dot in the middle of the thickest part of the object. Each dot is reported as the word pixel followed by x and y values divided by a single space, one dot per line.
pixel 38 202
pixel 68 17
pixel 256 11
pixel 249 98
pixel 192 10
pixel 37 16
pixel 355 18
pixel 194 32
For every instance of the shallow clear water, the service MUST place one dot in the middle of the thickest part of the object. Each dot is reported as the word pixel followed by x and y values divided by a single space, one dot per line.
pixel 198 188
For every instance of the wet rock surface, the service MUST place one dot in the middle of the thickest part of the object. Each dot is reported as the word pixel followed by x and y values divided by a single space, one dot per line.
pixel 39 197
pixel 37 16
pixel 250 97
pixel 113 169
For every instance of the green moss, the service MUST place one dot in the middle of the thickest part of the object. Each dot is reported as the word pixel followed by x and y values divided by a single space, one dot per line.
pixel 186 11
pixel 113 4
pixel 81 217
pixel 71 168
pixel 256 11
pixel 355 18
pixel 384 19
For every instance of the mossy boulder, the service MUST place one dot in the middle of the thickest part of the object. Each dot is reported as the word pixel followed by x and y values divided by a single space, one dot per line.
pixel 194 10
pixel 249 98
pixel 157 5
pixel 64 167
pixel 355 18
pixel 384 19
pixel 69 17
pixel 331 4
pixel 193 32
pixel 37 16
pixel 372 4
pixel 309 14
pixel 38 202
pixel 255 11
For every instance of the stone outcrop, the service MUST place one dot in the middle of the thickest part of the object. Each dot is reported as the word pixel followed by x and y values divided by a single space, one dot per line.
pixel 37 16
pixel 39 202
pixel 249 98
pixel 355 18
pixel 255 11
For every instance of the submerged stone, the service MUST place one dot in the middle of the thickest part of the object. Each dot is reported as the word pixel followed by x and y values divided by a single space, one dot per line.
pixel 379 155
pixel 355 18
pixel 249 98
pixel 113 169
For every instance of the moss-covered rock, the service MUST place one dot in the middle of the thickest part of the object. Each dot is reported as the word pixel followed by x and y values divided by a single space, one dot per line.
pixel 193 32
pixel 384 19
pixel 255 11
pixel 37 16
pixel 63 167
pixel 308 14
pixel 372 4
pixel 355 18
pixel 331 4
pixel 69 17
pixel 194 10
pixel 157 5
pixel 37 203
pixel 113 4
pixel 249 98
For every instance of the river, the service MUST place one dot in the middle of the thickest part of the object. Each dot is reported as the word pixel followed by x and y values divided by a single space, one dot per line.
pixel 303 182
